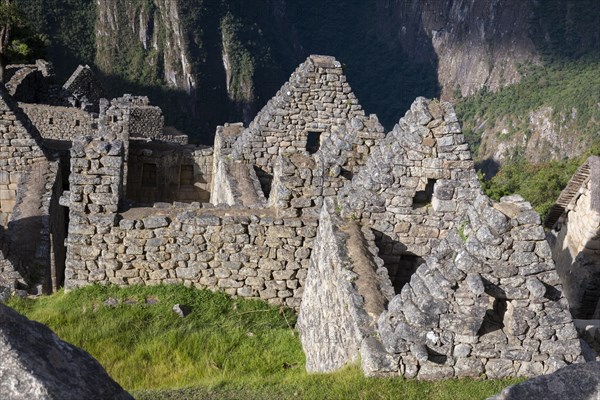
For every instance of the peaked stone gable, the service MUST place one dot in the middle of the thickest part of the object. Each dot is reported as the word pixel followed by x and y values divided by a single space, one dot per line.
pixel 410 188
pixel 487 301
pixel 316 98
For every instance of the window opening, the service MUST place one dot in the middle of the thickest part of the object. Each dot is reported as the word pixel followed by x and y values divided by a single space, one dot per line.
pixel 423 197
pixel 313 141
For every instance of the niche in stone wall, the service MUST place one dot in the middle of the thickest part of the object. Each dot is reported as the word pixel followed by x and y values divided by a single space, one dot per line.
pixel 493 319
pixel 423 197
pixel 186 175
pixel 265 179
pixel 313 142
pixel 149 175
pixel 402 269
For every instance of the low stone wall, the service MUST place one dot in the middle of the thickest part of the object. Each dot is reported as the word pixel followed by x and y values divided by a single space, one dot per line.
pixel 60 123
pixel 248 256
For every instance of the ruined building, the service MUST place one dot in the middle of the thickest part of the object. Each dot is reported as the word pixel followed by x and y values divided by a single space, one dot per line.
pixel 383 242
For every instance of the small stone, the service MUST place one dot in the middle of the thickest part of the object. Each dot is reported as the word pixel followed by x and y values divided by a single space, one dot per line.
pixel 111 302
pixel 181 310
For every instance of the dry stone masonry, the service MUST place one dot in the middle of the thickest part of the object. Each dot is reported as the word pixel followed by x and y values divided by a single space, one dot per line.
pixel 383 242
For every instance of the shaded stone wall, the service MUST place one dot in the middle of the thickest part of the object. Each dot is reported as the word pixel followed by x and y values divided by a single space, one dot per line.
pixel 84 88
pixel 28 85
pixel 146 121
pixel 316 98
pixel 60 123
pixel 19 149
pixel 575 242
pixel 159 172
pixel 26 186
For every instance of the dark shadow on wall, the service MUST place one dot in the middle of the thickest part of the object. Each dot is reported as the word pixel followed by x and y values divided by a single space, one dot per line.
pixel 580 276
pixel 400 263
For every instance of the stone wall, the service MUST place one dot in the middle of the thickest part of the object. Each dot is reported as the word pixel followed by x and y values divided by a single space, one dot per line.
pixel 84 88
pixel 236 184
pixel 28 85
pixel 60 123
pixel 27 181
pixel 575 246
pixel 315 98
pixel 410 187
pixel 242 252
pixel 346 290
pixel 161 172
pixel 247 255
pixel 297 186
pixel 146 121
pixel 20 148
pixel 487 301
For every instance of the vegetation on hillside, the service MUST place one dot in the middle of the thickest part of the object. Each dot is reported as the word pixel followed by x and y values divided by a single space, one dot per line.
pixel 68 29
pixel 540 184
pixel 225 348
pixel 571 88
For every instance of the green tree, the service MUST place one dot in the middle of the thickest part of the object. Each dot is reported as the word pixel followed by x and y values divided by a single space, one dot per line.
pixel 9 18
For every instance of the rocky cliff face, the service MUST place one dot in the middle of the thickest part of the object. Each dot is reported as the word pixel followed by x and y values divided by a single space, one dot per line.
pixel 208 62
pixel 472 43
pixel 543 138
pixel 151 34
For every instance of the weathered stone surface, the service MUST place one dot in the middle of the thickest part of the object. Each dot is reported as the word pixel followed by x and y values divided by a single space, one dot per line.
pixel 36 364
pixel 573 382
pixel 341 298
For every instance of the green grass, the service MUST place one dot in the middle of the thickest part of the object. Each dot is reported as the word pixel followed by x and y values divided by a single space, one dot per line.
pixel 225 349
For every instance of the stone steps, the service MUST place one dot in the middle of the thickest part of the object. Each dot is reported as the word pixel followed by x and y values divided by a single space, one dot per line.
pixel 579 179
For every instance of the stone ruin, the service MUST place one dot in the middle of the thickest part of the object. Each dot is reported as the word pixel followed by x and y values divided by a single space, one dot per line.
pixel 383 242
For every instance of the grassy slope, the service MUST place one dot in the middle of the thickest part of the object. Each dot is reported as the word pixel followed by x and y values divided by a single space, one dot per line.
pixel 226 348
